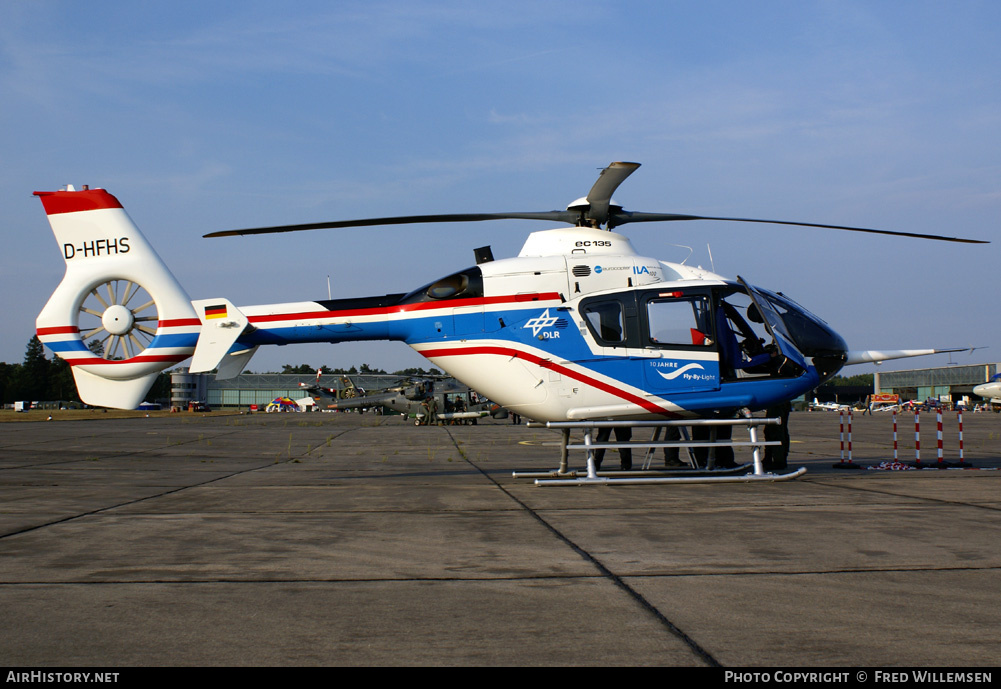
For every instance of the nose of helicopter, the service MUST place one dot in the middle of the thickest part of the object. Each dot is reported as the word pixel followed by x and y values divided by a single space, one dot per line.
pixel 812 336
pixel 828 365
pixel 827 350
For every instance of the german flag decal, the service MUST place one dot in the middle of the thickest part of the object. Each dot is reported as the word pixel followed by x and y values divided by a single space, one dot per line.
pixel 218 311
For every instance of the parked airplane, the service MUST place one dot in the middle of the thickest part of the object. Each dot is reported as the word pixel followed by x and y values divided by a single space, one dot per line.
pixel 826 406
pixel 990 390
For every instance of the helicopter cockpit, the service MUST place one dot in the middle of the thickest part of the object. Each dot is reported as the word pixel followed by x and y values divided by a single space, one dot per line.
pixel 752 333
pixel 797 331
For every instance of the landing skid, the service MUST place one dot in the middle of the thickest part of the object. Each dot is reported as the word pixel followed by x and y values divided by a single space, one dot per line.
pixel 694 474
pixel 641 473
pixel 624 478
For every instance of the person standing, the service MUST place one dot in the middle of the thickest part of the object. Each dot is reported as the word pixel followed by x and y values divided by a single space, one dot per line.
pixel 777 456
pixel 672 455
pixel 623 434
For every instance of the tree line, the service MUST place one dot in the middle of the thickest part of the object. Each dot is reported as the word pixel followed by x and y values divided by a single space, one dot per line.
pixel 363 370
pixel 37 378
pixel 856 380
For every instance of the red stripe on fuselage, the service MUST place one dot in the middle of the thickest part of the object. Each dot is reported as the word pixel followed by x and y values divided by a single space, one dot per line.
pixel 405 308
pixel 178 322
pixel 545 363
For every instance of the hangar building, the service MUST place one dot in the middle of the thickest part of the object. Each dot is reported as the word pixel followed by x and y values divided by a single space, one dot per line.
pixel 920 384
pixel 261 388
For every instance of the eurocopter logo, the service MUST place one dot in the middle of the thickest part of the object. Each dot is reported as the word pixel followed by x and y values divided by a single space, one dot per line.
pixel 539 325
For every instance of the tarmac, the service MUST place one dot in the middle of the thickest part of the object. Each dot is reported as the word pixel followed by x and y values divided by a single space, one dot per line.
pixel 352 539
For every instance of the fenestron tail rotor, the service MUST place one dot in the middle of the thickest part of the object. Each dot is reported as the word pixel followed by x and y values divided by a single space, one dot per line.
pixel 597 209
pixel 117 319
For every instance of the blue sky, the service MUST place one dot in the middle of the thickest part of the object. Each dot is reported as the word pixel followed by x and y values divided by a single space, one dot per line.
pixel 209 116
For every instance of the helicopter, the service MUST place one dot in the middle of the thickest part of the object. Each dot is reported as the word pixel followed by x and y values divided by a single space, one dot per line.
pixel 319 395
pixel 452 401
pixel 577 326
pixel 348 390
pixel 429 401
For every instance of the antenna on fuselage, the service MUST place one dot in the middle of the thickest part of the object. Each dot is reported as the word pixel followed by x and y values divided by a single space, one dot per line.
pixel 682 246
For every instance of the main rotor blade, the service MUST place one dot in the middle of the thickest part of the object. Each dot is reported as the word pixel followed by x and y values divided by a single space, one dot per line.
pixel 601 193
pixel 623 217
pixel 877 356
pixel 551 216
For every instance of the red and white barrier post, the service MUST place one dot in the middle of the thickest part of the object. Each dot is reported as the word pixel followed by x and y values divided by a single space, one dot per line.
pixel 959 418
pixel 894 436
pixel 845 464
pixel 849 436
pixel 938 435
pixel 841 433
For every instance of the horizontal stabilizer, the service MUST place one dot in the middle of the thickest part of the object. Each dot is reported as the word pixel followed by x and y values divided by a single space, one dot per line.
pixel 232 365
pixel 222 325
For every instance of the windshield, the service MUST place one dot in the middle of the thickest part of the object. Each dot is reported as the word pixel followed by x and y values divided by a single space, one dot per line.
pixel 811 335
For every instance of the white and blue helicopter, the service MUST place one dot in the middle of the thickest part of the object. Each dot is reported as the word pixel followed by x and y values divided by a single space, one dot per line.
pixel 578 326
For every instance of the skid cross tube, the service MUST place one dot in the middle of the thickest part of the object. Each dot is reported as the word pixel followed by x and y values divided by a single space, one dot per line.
pixel 696 475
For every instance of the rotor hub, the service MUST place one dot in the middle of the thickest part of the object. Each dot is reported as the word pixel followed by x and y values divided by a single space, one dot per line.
pixel 118 319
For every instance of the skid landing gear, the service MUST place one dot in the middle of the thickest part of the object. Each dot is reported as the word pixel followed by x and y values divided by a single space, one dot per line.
pixel 688 474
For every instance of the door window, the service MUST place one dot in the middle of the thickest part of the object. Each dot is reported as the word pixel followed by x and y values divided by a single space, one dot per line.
pixel 679 322
pixel 607 322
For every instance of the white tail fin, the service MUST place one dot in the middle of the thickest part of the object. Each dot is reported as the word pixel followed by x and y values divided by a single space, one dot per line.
pixel 119 316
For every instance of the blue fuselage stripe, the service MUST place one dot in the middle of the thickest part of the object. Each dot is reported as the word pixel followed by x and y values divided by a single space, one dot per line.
pixel 553 331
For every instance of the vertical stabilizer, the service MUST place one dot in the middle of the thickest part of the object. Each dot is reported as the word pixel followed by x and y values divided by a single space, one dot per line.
pixel 119 316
